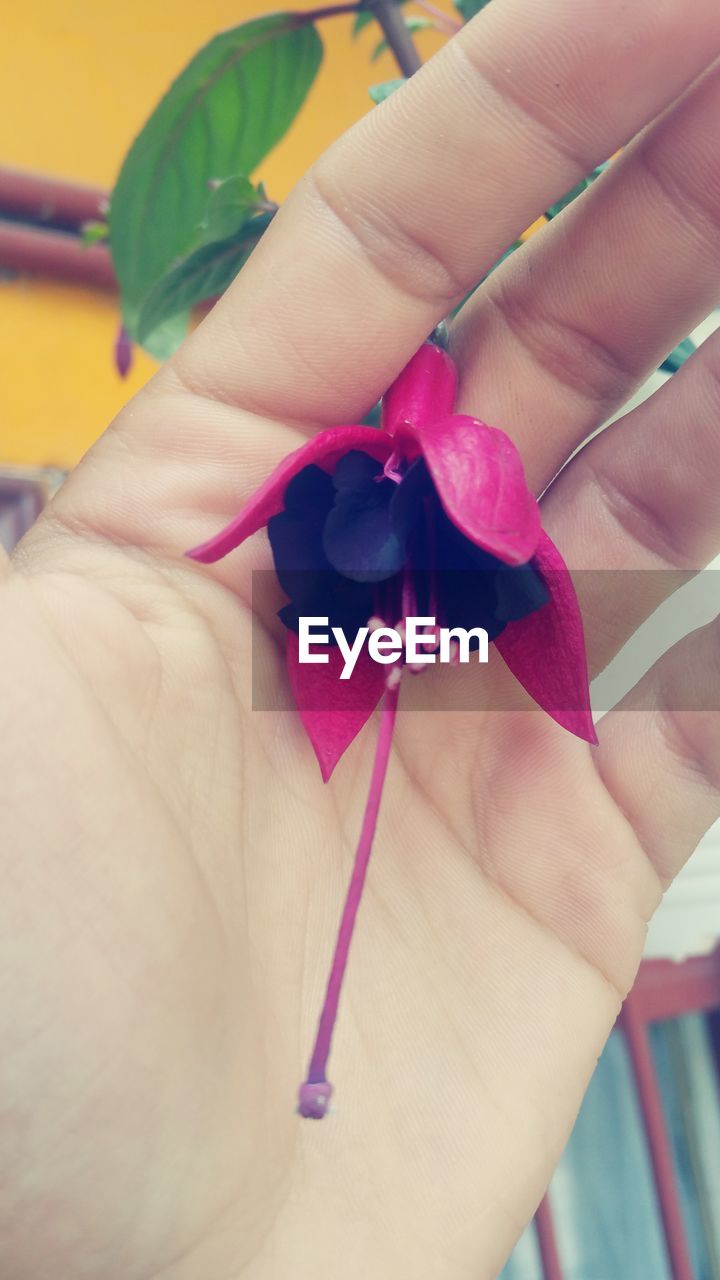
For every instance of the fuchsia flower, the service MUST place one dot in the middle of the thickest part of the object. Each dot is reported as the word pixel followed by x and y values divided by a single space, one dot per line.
pixel 430 515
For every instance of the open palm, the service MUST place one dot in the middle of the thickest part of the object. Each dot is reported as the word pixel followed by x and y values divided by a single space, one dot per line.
pixel 173 867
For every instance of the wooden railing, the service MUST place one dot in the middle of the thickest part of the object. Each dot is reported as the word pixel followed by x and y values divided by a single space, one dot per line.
pixel 663 989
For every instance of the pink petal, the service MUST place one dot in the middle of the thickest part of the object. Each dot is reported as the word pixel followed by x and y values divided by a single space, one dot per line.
pixel 324 450
pixel 546 650
pixel 480 480
pixel 424 391
pixel 333 711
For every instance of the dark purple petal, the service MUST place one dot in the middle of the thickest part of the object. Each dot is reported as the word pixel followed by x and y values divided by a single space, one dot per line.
pixel 546 650
pixel 468 599
pixel 303 570
pixel 298 554
pixel 359 541
pixel 423 392
pixel 325 450
pixel 357 472
pixel 296 533
pixel 310 492
pixel 480 481
pixel 333 711
pixel 520 591
pixel 409 502
pixel 344 603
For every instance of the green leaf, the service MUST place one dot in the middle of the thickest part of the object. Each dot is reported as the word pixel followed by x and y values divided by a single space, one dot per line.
pixel 93 233
pixel 373 417
pixel 223 114
pixel 229 205
pixel 166 338
pixel 678 356
pixel 204 273
pixel 412 24
pixel 468 8
pixel 517 244
pixel 362 20
pixel 379 92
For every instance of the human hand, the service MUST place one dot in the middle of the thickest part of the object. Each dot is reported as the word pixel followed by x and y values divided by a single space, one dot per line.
pixel 172 865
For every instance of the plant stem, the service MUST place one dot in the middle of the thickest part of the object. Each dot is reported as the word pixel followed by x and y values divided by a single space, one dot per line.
pixel 390 19
pixel 304 16
pixel 442 21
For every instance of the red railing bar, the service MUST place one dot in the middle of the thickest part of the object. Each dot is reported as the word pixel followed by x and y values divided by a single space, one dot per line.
pixel 55 251
pixel 665 989
pixel 545 1232
pixel 41 198
pixel 648 1089
pixel 57 254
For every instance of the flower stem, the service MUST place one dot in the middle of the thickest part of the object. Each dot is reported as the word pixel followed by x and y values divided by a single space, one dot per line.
pixel 442 20
pixel 389 16
pixel 315 1092
pixel 304 16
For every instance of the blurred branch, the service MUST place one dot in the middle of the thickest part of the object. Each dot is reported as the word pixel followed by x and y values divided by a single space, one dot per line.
pixel 38 198
pixel 390 18
pixel 56 254
pixel 330 11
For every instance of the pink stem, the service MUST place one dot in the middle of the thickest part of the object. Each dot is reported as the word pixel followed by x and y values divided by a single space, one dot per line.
pixel 315 1092
pixel 442 21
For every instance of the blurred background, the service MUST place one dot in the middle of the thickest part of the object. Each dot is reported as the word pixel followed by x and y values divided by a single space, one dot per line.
pixel 78 81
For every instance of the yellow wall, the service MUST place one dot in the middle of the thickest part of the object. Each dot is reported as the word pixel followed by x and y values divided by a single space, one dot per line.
pixel 78 79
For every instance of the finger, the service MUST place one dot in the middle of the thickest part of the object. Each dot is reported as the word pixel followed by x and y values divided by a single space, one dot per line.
pixel 414 204
pixel 638 507
pixel 563 332
pixel 659 751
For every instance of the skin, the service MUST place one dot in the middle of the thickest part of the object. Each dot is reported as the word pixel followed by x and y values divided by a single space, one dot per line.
pixel 173 868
